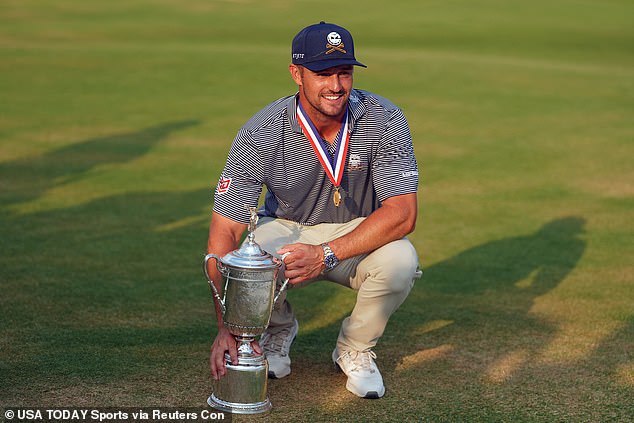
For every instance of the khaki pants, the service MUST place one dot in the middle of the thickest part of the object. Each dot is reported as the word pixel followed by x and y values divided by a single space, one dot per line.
pixel 382 279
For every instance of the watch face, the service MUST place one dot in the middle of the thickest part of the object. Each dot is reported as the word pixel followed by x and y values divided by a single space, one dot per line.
pixel 330 261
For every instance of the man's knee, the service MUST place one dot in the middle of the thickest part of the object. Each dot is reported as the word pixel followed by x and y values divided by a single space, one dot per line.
pixel 396 263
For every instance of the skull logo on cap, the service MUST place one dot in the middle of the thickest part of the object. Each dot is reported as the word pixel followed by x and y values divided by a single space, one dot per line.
pixel 334 38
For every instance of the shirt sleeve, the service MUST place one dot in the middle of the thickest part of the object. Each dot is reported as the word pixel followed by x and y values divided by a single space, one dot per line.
pixel 240 183
pixel 394 169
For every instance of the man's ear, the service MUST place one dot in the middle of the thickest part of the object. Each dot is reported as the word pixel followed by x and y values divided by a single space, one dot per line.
pixel 296 73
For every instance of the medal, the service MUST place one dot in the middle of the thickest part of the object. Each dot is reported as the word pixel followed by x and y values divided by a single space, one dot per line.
pixel 336 198
pixel 333 166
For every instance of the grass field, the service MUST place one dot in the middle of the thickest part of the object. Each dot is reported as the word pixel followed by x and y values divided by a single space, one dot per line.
pixel 115 121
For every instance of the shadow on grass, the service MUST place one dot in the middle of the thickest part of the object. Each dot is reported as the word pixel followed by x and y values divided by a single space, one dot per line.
pixel 547 255
pixel 497 283
pixel 27 178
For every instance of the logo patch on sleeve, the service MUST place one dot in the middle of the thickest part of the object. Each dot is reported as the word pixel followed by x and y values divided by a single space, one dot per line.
pixel 223 185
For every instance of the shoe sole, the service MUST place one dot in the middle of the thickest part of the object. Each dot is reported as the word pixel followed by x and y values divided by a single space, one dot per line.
pixel 368 395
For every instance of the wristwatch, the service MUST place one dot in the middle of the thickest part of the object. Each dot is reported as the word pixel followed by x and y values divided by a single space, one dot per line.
pixel 330 259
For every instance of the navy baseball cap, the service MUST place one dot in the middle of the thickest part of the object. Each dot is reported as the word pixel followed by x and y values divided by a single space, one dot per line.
pixel 322 46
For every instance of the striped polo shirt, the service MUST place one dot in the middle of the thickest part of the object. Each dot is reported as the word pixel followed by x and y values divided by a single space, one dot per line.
pixel 271 150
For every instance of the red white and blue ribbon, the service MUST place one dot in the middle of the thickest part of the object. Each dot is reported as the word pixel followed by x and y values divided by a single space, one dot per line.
pixel 333 166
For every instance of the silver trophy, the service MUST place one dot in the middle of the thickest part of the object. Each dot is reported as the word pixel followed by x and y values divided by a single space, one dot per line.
pixel 247 302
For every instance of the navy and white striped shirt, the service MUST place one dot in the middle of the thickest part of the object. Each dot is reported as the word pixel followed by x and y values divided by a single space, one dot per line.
pixel 271 150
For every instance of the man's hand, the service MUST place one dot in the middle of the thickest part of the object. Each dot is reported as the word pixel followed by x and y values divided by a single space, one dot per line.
pixel 305 262
pixel 225 342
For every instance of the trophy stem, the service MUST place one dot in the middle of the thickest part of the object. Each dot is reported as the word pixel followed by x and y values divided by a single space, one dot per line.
pixel 244 346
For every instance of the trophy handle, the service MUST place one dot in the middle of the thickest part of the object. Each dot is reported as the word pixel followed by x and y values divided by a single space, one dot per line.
pixel 283 287
pixel 211 283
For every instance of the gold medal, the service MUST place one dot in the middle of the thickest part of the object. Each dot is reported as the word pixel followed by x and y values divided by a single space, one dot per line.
pixel 336 198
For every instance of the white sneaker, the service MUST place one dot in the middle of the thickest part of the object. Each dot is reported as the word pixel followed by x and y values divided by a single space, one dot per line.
pixel 276 348
pixel 364 378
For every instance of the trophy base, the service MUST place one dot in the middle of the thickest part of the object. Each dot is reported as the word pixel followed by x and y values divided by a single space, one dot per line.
pixel 239 408
pixel 242 390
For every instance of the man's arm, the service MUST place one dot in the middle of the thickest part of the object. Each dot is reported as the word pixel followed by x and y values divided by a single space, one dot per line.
pixel 224 236
pixel 393 220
